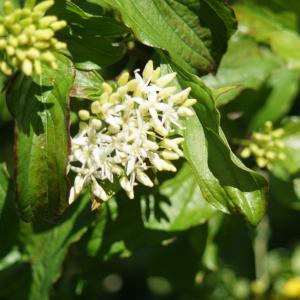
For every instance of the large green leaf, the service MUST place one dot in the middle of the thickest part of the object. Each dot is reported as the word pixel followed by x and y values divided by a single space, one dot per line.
pixel 265 26
pixel 223 180
pixel 98 50
pixel 195 33
pixel 246 65
pixel 8 216
pixel 85 24
pixel 47 245
pixel 177 204
pixel 40 107
pixel 284 85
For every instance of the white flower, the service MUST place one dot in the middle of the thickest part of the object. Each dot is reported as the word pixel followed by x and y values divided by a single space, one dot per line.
pixel 127 133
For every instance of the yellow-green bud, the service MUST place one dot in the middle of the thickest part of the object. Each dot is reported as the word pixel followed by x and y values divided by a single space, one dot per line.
pixel 10 50
pixel 47 21
pixel 261 162
pixel 2 30
pixel 37 67
pixel 155 74
pixel 33 53
pixel 5 68
pixel 190 102
pixel 165 80
pixel 246 152
pixel 167 92
pixel 96 123
pixel 16 29
pixel 23 39
pixel 84 115
pixel 21 55
pixel 123 79
pixel 44 6
pixel 58 25
pixel 27 67
pixel 48 57
pixel 107 88
pixel 44 34
pixel 8 7
pixel 96 107
pixel 3 43
pixel 148 70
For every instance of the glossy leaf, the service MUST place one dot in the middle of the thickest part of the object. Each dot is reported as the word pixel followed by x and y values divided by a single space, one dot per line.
pixel 47 245
pixel 246 65
pixel 177 205
pixel 85 24
pixel 195 34
pixel 42 140
pixel 266 27
pixel 87 85
pixel 223 180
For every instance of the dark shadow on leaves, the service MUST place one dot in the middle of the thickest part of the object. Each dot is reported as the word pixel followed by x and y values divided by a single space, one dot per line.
pixel 23 101
pixel 129 229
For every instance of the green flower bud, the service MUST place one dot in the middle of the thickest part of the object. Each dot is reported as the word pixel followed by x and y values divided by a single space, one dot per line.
pixel 27 67
pixel 2 30
pixel 23 39
pixel 44 6
pixel 107 88
pixel 37 67
pixel 33 53
pixel 48 57
pixel 10 50
pixel 84 115
pixel 21 55
pixel 44 34
pixel 5 68
pixel 58 25
pixel 3 43
pixel 47 21
pixel 16 29
pixel 246 152
pixel 8 7
pixel 123 79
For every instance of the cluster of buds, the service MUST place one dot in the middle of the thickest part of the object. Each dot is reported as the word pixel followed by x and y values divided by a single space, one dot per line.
pixel 27 38
pixel 129 133
pixel 265 145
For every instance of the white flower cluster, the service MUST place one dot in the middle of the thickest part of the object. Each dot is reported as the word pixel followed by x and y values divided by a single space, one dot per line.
pixel 27 38
pixel 128 132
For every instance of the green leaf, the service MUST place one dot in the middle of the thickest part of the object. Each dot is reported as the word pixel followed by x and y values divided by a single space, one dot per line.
pixel 284 84
pixel 47 246
pixel 87 85
pixel 265 26
pixel 8 217
pixel 177 205
pixel 195 34
pixel 42 140
pixel 3 187
pixel 223 180
pixel 97 50
pixel 85 24
pixel 246 65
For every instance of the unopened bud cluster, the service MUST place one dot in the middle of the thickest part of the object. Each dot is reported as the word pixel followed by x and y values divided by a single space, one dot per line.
pixel 27 38
pixel 265 145
pixel 129 133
